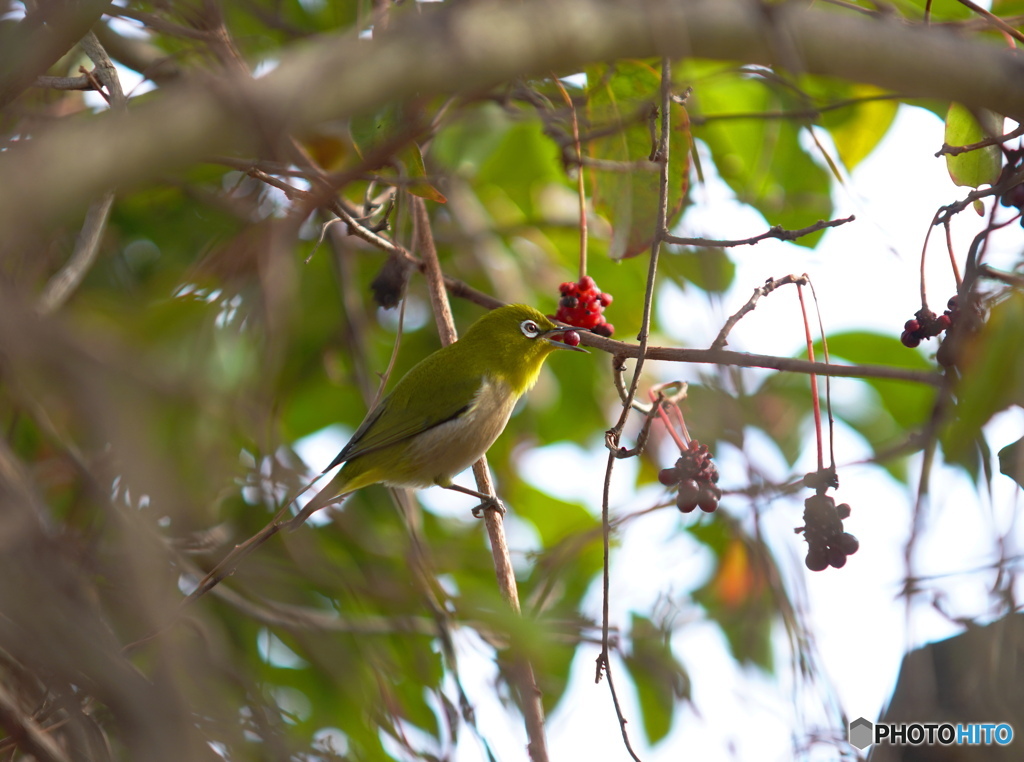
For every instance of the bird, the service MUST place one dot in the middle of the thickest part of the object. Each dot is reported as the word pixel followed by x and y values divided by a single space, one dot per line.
pixel 446 412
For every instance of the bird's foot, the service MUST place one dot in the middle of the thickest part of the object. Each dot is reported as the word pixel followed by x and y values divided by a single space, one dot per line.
pixel 490 504
pixel 487 502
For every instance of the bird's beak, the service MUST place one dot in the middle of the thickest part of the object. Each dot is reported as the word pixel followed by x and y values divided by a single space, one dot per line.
pixel 548 336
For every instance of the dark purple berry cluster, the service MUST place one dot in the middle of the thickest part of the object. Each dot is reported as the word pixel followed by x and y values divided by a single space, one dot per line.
pixel 827 543
pixel 697 477
pixel 924 325
pixel 582 305
pixel 964 325
pixel 1013 198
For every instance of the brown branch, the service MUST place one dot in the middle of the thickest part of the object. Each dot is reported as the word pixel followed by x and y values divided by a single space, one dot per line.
pixel 64 83
pixel 746 360
pixel 530 696
pixel 776 231
pixel 472 47
pixel 27 734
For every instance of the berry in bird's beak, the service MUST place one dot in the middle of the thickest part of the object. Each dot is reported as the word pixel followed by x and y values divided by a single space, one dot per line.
pixel 563 339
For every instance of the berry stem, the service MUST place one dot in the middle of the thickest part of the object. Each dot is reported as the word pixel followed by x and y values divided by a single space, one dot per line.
pixel 580 186
pixel 952 257
pixel 814 378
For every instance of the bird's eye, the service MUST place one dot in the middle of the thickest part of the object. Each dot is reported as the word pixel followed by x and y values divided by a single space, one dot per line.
pixel 529 329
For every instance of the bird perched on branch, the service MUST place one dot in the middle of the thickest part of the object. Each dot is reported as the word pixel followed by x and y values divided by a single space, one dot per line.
pixel 445 413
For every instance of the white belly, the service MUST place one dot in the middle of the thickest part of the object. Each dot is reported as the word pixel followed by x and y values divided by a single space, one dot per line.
pixel 453 446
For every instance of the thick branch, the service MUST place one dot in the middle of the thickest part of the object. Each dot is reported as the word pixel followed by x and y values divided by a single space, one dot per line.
pixel 474 46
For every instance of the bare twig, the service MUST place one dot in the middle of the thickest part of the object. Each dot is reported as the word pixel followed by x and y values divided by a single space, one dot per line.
pixel 776 231
pixel 994 20
pixel 995 140
pixel 64 83
pixel 769 286
pixel 87 246
pixel 747 360
pixel 31 737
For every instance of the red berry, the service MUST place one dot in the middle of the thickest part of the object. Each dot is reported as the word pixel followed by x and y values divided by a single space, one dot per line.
pixel 943 322
pixel 605 299
pixel 603 329
pixel 571 338
pixel 587 283
pixel 843 509
pixel 909 339
pixel 668 476
pixel 912 326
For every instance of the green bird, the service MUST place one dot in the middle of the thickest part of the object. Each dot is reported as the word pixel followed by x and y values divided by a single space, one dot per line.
pixel 445 413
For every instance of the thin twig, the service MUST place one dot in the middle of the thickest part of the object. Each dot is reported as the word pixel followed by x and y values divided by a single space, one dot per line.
pixel 994 20
pixel 770 285
pixel 948 150
pixel 776 231
pixel 87 245
pixel 815 402
pixel 580 187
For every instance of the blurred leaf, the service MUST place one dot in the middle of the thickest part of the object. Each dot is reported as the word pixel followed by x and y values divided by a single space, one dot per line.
pixel 394 124
pixel 738 597
pixel 978 167
pixel 992 376
pixel 1011 461
pixel 709 269
pixel 859 128
pixel 660 680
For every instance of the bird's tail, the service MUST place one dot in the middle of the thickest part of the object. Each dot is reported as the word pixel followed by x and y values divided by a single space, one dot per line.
pixel 334 491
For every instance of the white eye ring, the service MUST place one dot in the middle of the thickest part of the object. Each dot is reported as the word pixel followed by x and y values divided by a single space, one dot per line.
pixel 530 329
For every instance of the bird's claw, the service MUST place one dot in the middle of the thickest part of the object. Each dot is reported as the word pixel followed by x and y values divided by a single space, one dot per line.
pixel 489 505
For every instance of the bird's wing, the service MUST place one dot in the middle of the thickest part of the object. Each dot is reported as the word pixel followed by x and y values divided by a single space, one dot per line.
pixel 410 409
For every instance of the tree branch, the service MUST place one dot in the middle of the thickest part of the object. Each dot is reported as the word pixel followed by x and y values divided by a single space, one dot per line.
pixel 471 47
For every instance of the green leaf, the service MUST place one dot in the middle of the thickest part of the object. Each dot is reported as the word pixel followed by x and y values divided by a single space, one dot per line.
pixel 710 269
pixel 761 159
pixel 978 167
pixel 626 94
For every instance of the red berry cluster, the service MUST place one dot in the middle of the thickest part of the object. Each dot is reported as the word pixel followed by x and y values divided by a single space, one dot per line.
pixel 827 543
pixel 924 325
pixel 582 305
pixel 964 324
pixel 697 477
